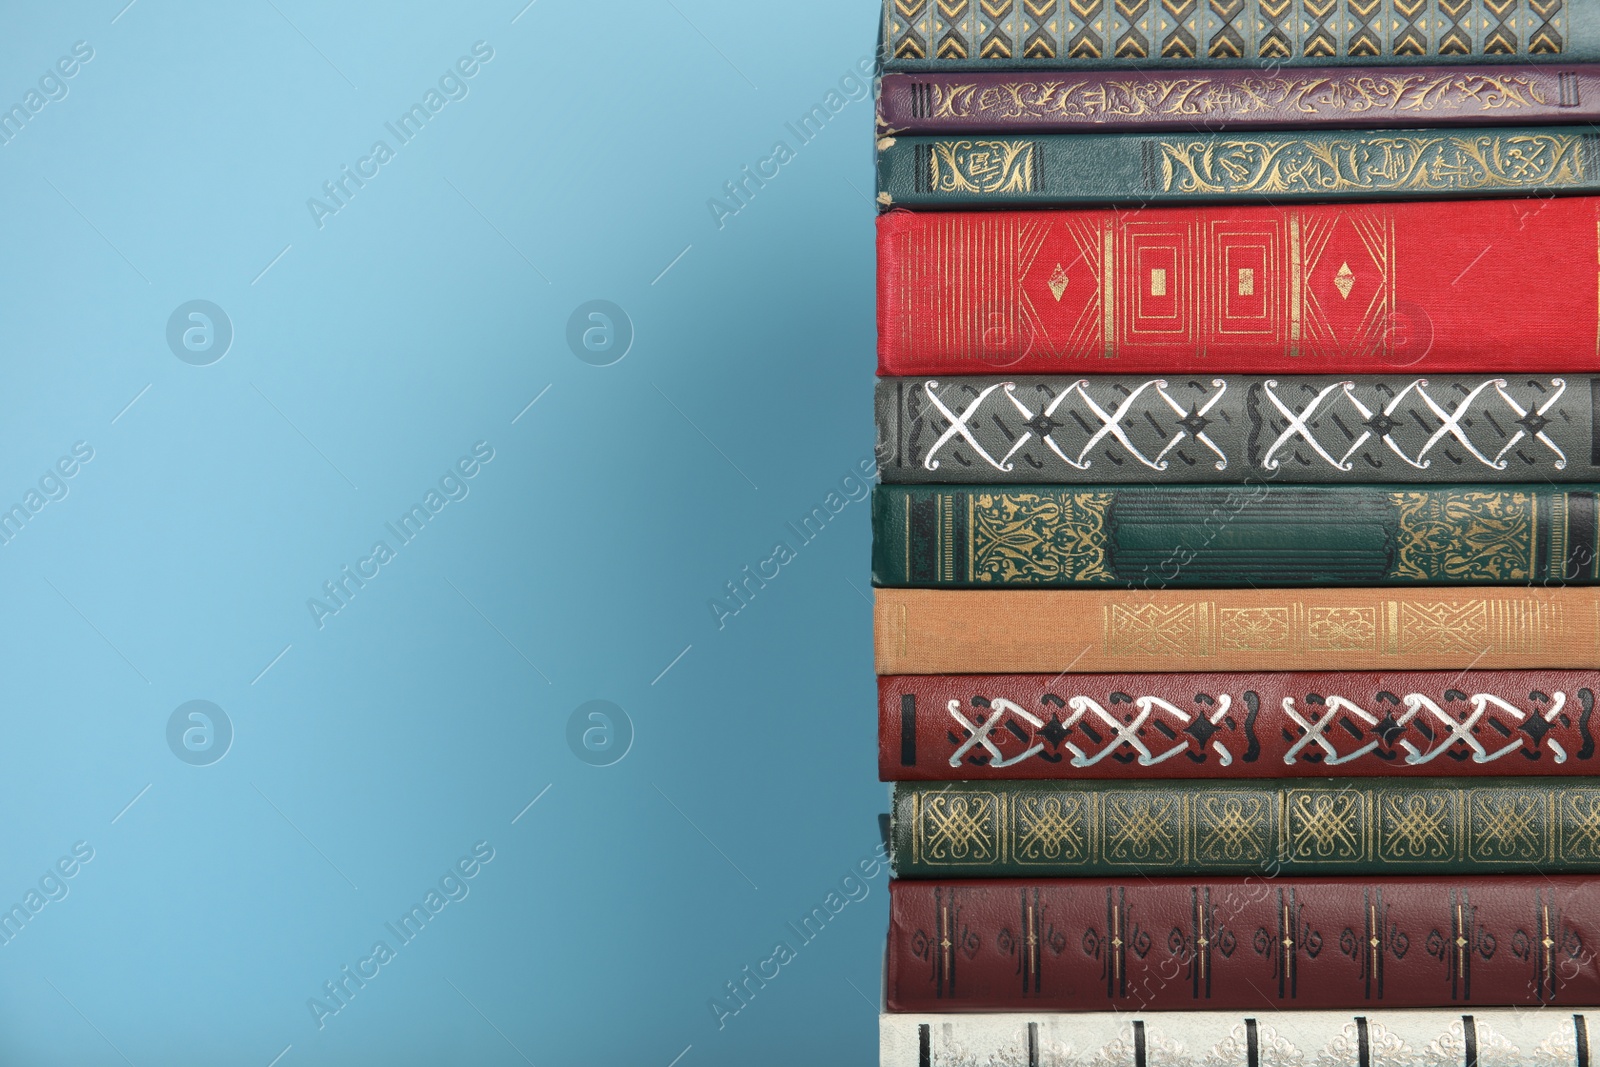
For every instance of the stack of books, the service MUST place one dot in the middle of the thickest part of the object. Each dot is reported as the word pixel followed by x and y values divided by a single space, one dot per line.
pixel 1236 630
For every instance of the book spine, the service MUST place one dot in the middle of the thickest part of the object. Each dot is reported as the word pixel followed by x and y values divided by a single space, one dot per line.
pixel 1326 826
pixel 1116 429
pixel 1196 537
pixel 1107 35
pixel 1000 631
pixel 1442 1037
pixel 1245 289
pixel 1151 101
pixel 1094 727
pixel 1242 944
pixel 1057 170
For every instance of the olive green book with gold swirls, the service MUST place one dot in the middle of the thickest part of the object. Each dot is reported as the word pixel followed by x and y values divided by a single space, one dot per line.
pixel 1202 537
pixel 1061 169
pixel 1298 827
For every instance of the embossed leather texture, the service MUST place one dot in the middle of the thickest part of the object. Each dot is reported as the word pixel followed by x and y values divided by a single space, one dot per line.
pixel 1187 429
pixel 1243 943
pixel 1135 34
pixel 1153 101
pixel 1443 1037
pixel 1401 724
pixel 1049 631
pixel 1316 289
pixel 1318 826
pixel 1199 537
pixel 1048 170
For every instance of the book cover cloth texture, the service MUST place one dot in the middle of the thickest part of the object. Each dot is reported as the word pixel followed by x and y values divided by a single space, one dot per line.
pixel 1197 537
pixel 1355 724
pixel 1323 826
pixel 1439 1037
pixel 1177 101
pixel 1277 289
pixel 1000 631
pixel 1142 34
pixel 1242 943
pixel 1044 170
pixel 1181 428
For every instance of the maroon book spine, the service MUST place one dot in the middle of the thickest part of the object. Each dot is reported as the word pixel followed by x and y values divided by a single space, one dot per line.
pixel 1157 101
pixel 1094 944
pixel 1237 725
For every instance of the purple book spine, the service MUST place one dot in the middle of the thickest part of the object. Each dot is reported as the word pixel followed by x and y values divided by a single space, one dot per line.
pixel 1155 101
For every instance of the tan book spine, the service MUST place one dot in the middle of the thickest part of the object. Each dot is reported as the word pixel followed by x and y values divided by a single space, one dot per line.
pixel 923 631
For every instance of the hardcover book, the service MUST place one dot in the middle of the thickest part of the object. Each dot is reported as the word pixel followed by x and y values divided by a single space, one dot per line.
pixel 1249 289
pixel 1180 429
pixel 1051 170
pixel 1151 101
pixel 1323 826
pixel 1140 34
pixel 1442 1037
pixel 1050 631
pixel 1243 944
pixel 1184 536
pixel 1093 727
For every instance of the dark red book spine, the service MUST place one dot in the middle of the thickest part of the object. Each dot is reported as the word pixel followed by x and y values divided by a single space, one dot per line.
pixel 1237 725
pixel 1092 944
pixel 1315 289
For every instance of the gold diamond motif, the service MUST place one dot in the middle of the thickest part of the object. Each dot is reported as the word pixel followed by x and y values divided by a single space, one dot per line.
pixel 1058 283
pixel 1345 280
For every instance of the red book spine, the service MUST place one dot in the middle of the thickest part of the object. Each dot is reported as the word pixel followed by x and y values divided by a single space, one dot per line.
pixel 1328 288
pixel 1091 944
pixel 1237 725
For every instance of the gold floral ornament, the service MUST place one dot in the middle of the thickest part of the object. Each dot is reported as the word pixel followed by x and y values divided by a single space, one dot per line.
pixel 1375 163
pixel 982 167
pixel 1032 537
pixel 1463 536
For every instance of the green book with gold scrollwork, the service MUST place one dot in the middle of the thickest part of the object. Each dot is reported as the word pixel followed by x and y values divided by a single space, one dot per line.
pixel 1317 827
pixel 1203 537
pixel 1198 167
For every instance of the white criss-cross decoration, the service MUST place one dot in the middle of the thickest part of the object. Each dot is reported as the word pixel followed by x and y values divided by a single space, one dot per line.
pixel 1530 421
pixel 1110 424
pixel 1127 733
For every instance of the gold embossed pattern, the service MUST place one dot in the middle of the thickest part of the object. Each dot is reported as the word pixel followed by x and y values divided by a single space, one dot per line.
pixel 1063 32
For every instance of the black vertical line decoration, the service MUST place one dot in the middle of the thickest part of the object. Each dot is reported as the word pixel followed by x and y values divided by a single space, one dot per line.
pixel 1594 422
pixel 925 1046
pixel 1580 1039
pixel 1252 1048
pixel 1034 941
pixel 1194 939
pixel 1363 1047
pixel 1138 1044
pixel 908 729
pixel 1033 1045
pixel 1470 1029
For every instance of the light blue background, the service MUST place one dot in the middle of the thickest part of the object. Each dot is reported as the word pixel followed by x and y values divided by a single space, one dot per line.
pixel 369 355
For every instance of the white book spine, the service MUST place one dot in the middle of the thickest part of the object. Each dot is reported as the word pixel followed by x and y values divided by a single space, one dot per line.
pixel 1496 1037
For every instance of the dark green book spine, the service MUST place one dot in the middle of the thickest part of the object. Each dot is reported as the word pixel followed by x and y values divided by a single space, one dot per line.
pixel 1261 34
pixel 1201 537
pixel 1058 169
pixel 1320 827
